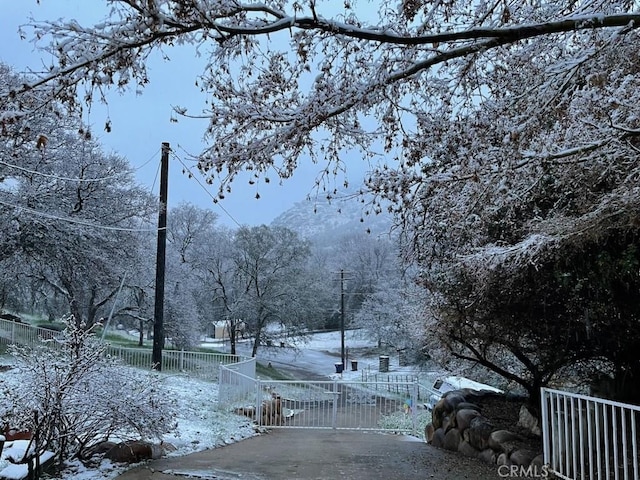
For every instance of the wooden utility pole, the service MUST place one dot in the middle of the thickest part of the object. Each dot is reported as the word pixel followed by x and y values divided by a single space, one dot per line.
pixel 342 319
pixel 158 322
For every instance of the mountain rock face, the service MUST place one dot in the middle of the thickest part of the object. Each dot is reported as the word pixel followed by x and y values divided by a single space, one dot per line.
pixel 322 221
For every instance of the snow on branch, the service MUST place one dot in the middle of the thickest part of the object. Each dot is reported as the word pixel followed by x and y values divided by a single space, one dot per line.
pixel 321 81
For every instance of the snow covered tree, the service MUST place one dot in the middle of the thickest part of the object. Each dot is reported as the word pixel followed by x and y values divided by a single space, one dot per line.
pixel 189 229
pixel 182 323
pixel 222 287
pixel 369 261
pixel 523 202
pixel 282 74
pixel 394 315
pixel 71 212
pixel 86 236
pixel 270 263
pixel 67 399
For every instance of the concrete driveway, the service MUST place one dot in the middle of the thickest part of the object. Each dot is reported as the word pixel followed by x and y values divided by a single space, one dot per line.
pixel 306 454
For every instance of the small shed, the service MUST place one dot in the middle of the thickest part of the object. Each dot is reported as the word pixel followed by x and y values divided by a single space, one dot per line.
pixel 220 329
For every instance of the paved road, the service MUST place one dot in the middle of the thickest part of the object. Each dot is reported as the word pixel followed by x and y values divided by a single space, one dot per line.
pixel 318 455
pixel 304 360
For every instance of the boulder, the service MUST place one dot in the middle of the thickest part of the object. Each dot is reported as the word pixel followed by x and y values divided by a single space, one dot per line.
pixel 134 452
pixel 479 432
pixel 438 438
pixel 487 456
pixel 477 396
pixel 438 414
pixel 10 434
pixel 539 468
pixel 452 439
pixel 503 459
pixel 504 441
pixel 466 449
pixel 468 406
pixel 451 400
pixel 167 447
pixel 528 421
pixel 458 425
pixel 97 449
pixel 522 456
pixel 464 417
pixel 537 462
pixel 447 423
pixel 428 432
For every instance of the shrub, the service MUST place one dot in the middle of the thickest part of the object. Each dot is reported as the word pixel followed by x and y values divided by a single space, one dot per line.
pixel 74 396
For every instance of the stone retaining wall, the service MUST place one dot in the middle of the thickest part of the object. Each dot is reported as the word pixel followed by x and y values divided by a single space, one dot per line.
pixel 458 424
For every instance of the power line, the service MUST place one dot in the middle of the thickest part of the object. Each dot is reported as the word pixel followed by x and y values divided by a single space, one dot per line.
pixel 76 221
pixel 149 160
pixel 71 179
pixel 155 179
pixel 58 177
pixel 215 200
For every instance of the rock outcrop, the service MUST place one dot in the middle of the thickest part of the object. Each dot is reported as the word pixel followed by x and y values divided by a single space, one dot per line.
pixel 459 424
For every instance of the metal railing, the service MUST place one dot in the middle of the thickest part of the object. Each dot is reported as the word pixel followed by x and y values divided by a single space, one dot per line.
pixel 332 404
pixel 237 383
pixel 24 334
pixel 589 438
pixel 340 405
pixel 391 405
pixel 203 365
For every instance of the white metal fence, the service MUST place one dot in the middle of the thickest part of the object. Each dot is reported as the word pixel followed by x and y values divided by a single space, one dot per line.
pixel 376 406
pixel 589 438
pixel 23 333
pixel 203 365
pixel 237 383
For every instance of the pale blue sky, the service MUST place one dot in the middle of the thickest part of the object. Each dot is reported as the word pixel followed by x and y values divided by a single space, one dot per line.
pixel 140 123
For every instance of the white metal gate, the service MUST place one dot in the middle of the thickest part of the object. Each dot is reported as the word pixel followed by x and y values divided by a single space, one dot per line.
pixel 590 438
pixel 368 406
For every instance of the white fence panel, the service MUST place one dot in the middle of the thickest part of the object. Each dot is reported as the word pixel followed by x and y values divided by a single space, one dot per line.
pixel 375 406
pixel 589 438
pixel 237 384
pixel 203 365
pixel 24 334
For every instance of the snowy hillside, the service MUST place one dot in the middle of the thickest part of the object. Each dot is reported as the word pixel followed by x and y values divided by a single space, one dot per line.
pixel 322 221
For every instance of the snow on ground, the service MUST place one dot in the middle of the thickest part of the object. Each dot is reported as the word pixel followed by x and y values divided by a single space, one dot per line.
pixel 200 425
pixel 359 348
pixel 330 341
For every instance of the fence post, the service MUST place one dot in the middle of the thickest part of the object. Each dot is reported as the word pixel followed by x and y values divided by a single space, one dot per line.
pixel 414 408
pixel 334 420
pixel 221 387
pixel 181 359
pixel 259 402
pixel 13 332
pixel 545 427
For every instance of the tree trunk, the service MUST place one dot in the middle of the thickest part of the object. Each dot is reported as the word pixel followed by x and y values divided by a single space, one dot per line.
pixel 232 336
pixel 535 397
pixel 256 342
pixel 141 334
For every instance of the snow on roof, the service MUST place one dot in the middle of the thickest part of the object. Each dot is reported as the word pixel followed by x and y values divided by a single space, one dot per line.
pixel 458 382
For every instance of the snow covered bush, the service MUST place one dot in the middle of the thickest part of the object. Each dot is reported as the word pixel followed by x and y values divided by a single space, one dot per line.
pixel 74 396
